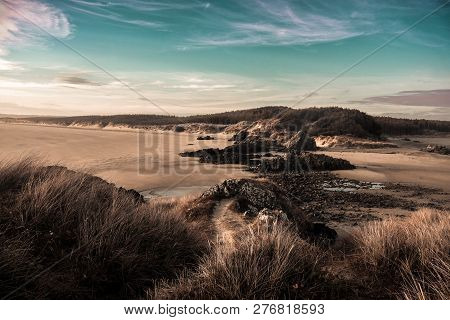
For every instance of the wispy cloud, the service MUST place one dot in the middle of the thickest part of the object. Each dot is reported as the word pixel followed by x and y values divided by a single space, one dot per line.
pixel 432 98
pixel 6 65
pixel 77 80
pixel 15 17
pixel 143 5
pixel 279 23
pixel 17 30
pixel 118 18
pixel 110 10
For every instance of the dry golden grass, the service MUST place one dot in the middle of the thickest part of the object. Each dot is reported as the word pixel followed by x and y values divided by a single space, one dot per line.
pixel 71 235
pixel 407 259
pixel 103 241
pixel 264 264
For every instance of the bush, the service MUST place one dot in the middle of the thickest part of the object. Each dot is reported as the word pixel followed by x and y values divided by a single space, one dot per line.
pixel 264 264
pixel 70 235
pixel 406 258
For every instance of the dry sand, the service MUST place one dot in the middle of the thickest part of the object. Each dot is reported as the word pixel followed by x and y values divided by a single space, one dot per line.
pixel 149 162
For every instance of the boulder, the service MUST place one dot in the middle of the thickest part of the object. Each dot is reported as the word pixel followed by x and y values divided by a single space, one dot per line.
pixel 319 230
pixel 269 216
pixel 178 129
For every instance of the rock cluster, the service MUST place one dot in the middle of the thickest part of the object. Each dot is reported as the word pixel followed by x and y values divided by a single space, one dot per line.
pixel 239 153
pixel 300 163
pixel 251 196
pixel 438 149
pixel 205 138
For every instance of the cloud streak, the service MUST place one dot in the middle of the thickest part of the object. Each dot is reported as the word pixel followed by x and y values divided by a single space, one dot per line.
pixel 78 80
pixel 6 65
pixel 279 23
pixel 431 98
pixel 117 18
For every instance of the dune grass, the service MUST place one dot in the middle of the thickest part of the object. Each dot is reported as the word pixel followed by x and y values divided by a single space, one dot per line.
pixel 265 264
pixel 70 235
pixel 406 259
pixel 105 243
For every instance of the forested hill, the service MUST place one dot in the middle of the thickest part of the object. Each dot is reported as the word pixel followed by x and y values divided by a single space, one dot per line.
pixel 321 121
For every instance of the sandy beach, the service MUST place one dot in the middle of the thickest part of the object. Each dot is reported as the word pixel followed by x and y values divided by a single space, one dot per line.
pixel 148 163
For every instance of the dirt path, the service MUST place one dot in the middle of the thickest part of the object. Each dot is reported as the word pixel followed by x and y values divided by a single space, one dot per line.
pixel 227 223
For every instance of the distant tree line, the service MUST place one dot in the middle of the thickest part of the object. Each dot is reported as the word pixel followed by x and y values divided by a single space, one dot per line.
pixel 138 120
pixel 318 121
pixel 394 126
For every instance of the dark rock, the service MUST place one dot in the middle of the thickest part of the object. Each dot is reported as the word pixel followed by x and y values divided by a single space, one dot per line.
pixel 240 153
pixel 178 129
pixel 300 163
pixel 251 196
pixel 438 149
pixel 205 138
pixel 321 231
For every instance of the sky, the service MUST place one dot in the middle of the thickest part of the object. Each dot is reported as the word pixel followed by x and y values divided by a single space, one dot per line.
pixel 84 57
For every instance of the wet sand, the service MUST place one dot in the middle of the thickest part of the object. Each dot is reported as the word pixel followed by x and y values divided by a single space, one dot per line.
pixel 148 162
pixel 406 164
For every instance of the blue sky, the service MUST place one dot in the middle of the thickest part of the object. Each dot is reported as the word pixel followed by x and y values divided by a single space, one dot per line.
pixel 210 56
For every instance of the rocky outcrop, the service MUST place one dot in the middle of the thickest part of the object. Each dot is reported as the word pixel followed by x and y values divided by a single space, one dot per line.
pixel 251 196
pixel 240 153
pixel 261 202
pixel 438 149
pixel 300 163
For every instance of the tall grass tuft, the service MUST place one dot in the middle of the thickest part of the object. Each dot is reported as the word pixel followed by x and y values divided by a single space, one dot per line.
pixel 99 241
pixel 265 264
pixel 407 259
